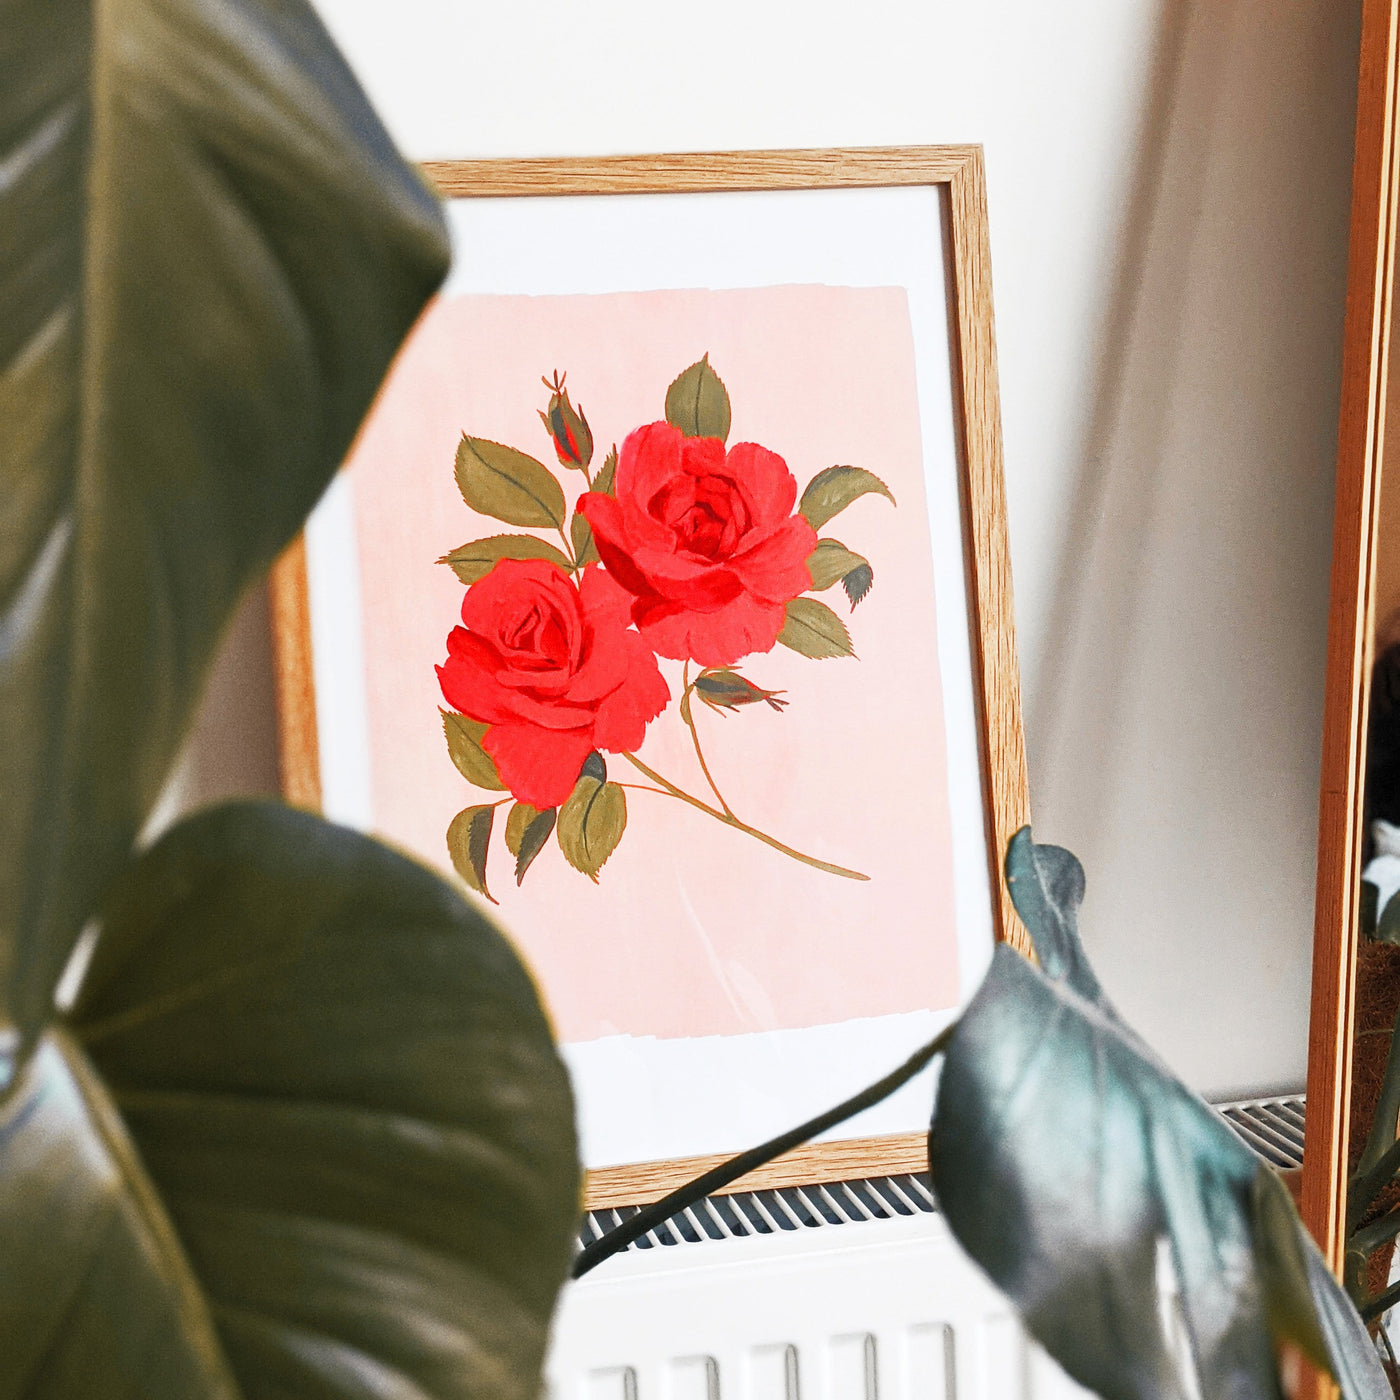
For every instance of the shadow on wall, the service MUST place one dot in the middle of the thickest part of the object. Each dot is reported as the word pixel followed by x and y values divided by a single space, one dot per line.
pixel 1174 730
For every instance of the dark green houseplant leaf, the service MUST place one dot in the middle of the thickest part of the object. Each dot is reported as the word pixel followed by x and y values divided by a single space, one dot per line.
pixel 357 1170
pixel 212 252
pixel 1065 1156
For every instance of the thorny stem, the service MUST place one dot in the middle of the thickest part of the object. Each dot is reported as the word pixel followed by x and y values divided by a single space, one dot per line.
pixel 729 819
pixel 688 715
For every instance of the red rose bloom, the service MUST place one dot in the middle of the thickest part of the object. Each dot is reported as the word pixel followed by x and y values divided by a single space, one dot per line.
pixel 705 541
pixel 554 671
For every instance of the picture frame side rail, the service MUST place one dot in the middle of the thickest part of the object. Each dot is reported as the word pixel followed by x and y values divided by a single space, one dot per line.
pixel 995 665
pixel 298 742
pixel 1360 442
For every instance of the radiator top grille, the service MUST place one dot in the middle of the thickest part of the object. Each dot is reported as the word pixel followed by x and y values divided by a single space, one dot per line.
pixel 1271 1128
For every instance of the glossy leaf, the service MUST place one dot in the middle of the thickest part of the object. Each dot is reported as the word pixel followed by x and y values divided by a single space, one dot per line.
pixel 812 629
pixel 1064 1156
pixel 698 403
pixel 591 822
pixel 99 1299
pixel 508 484
pixel 464 745
pixel 474 561
pixel 830 562
pixel 581 537
pixel 831 491
pixel 341 1082
pixel 212 254
pixel 469 843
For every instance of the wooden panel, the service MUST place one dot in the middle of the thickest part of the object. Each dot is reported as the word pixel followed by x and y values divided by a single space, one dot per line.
pixel 991 623
pixel 298 754
pixel 644 1182
pixel 1359 449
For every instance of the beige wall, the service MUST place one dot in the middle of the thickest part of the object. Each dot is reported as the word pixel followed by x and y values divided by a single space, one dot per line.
pixel 1168 187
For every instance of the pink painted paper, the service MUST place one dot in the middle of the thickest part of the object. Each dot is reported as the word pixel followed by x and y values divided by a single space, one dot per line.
pixel 693 929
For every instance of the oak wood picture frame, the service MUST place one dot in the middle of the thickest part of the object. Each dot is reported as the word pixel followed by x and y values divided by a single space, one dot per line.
pixel 957 172
pixel 1350 628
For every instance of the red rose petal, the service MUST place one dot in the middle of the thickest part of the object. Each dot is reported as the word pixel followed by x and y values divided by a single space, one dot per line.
pixel 538 766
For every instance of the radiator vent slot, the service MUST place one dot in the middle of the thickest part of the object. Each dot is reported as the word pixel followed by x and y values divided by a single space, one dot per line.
pixel 1271 1128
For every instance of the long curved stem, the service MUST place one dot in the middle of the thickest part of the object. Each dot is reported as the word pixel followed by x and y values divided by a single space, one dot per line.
pixel 729 819
pixel 688 716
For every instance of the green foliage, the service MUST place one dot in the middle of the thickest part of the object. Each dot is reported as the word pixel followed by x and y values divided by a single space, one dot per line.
pixel 475 560
pixel 212 253
pixel 831 491
pixel 812 629
pixel 508 485
pixel 697 403
pixel 1065 1157
pixel 304 1131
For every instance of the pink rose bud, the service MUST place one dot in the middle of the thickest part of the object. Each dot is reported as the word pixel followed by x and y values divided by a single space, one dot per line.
pixel 726 689
pixel 566 426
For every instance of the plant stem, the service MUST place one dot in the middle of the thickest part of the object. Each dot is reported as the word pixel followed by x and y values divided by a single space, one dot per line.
pixel 688 715
pixel 718 1177
pixel 729 819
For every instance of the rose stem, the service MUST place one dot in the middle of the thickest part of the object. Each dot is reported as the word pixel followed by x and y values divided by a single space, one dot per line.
pixel 688 715
pixel 731 820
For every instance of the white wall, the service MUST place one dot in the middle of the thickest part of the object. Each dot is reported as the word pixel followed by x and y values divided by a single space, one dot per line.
pixel 1168 187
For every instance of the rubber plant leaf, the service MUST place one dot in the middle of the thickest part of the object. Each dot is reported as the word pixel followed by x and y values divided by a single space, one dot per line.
pixel 1072 1165
pixel 211 253
pixel 354 1168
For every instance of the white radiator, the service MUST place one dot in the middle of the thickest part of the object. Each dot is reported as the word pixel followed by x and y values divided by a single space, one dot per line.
pixel 847 1292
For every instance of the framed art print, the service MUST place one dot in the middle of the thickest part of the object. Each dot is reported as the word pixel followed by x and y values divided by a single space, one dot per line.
pixel 664 599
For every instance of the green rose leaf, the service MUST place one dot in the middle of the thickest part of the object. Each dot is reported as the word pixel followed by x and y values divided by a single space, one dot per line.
pixel 581 536
pixel 468 843
pixel 508 484
pixel 698 403
pixel 305 1132
pixel 592 820
pixel 1058 1135
pixel 831 491
pixel 213 252
pixel 533 830
pixel 475 560
pixel 812 629
pixel 603 482
pixel 830 562
pixel 464 745
pixel 858 583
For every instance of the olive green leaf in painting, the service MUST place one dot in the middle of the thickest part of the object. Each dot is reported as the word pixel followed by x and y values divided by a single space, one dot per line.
pixel 469 842
pixel 581 537
pixel 527 832
pixel 464 745
pixel 603 482
pixel 1058 1135
pixel 831 562
pixel 858 583
pixel 831 491
pixel 698 403
pixel 508 484
pixel 305 1132
pixel 212 254
pixel 592 819
pixel 474 561
pixel 812 629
